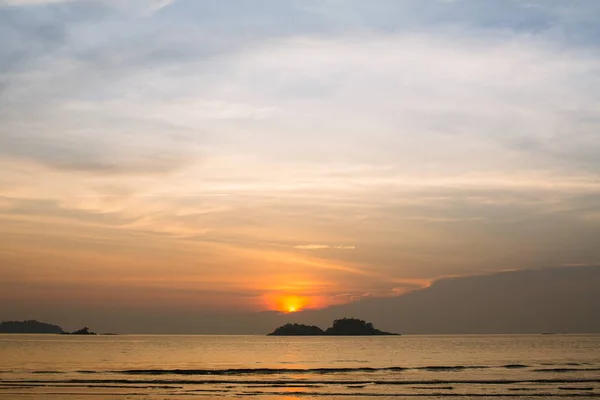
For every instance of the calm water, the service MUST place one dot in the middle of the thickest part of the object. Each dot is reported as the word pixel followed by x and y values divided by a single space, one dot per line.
pixel 187 367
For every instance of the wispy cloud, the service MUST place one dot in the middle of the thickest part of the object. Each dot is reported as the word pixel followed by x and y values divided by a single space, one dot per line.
pixel 153 5
pixel 323 247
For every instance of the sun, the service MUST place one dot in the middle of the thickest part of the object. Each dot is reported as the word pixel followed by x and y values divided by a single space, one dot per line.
pixel 291 304
pixel 288 303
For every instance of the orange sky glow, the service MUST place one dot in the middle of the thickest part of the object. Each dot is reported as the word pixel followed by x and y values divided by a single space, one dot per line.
pixel 293 303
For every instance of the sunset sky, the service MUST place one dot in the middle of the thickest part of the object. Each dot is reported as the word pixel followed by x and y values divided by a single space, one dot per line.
pixel 248 155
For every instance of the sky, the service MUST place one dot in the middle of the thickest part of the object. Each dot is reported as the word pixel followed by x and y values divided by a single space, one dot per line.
pixel 239 156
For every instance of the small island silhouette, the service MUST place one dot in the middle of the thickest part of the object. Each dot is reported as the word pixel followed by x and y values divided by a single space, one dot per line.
pixel 29 326
pixel 341 327
pixel 83 331
pixel 36 327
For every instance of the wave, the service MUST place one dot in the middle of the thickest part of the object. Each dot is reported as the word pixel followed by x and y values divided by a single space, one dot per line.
pixel 278 371
pixel 566 369
pixel 313 371
pixel 436 368
pixel 515 366
pixel 319 371
pixel 350 371
pixel 257 371
pixel 49 372
pixel 311 382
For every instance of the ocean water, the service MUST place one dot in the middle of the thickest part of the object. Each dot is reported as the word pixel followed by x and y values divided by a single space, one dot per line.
pixel 261 367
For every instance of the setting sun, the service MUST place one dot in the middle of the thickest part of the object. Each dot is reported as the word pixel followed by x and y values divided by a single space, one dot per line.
pixel 290 303
pixel 293 303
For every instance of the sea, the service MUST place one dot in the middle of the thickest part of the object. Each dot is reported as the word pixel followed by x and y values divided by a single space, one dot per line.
pixel 52 367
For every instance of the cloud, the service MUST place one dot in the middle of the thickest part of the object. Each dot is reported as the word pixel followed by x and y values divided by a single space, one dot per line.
pixel 152 5
pixel 30 2
pixel 323 247
pixel 146 165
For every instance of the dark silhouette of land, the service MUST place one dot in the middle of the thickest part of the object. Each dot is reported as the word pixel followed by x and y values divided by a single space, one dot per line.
pixel 341 327
pixel 354 327
pixel 83 331
pixel 297 330
pixel 36 327
pixel 30 326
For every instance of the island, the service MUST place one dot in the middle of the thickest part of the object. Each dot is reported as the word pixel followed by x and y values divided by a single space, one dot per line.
pixel 83 331
pixel 297 330
pixel 37 327
pixel 341 327
pixel 30 326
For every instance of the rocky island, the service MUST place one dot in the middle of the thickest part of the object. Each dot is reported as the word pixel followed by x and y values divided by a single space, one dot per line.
pixel 341 327
pixel 83 331
pixel 297 330
pixel 36 327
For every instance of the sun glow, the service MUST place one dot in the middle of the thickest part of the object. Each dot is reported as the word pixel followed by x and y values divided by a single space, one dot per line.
pixel 290 303
pixel 287 302
pixel 293 304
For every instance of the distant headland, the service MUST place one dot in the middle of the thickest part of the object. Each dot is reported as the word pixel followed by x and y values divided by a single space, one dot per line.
pixel 341 327
pixel 36 327
pixel 30 326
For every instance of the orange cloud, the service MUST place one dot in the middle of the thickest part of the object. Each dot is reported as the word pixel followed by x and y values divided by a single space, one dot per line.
pixel 322 247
